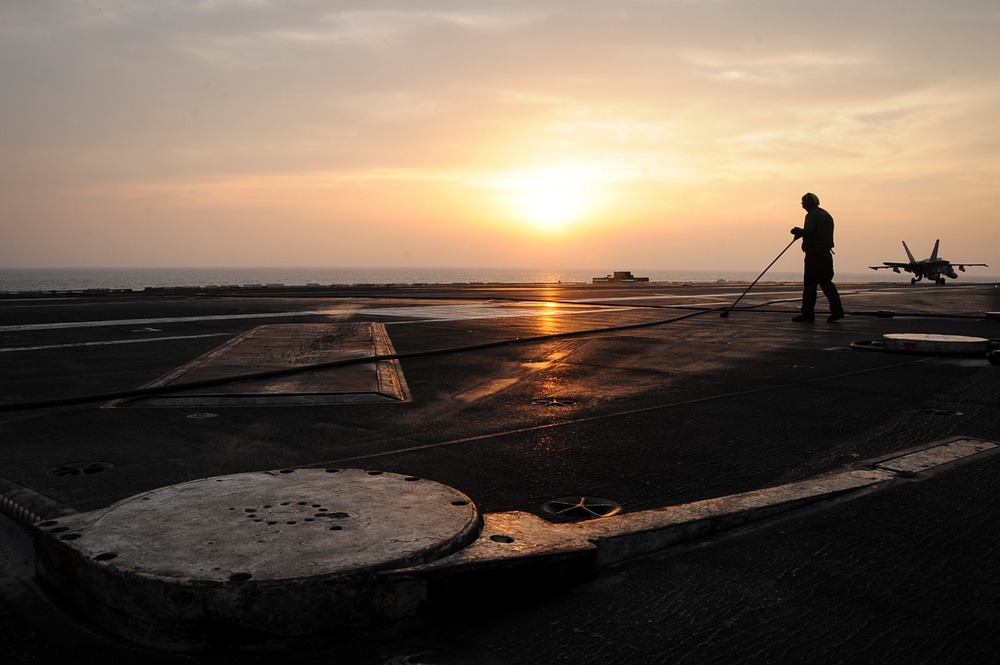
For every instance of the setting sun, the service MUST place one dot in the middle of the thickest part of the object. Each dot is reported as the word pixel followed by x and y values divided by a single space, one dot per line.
pixel 550 199
pixel 551 207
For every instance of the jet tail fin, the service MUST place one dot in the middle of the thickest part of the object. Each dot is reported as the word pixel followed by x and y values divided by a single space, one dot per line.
pixel 934 253
pixel 909 254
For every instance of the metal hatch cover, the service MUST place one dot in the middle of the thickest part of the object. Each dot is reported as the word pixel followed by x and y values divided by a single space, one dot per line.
pixel 244 561
pixel 928 343
pixel 280 346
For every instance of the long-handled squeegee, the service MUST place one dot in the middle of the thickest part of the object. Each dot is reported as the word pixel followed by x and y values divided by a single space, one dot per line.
pixel 726 313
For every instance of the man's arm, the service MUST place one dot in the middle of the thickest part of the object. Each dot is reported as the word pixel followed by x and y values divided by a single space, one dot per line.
pixel 807 230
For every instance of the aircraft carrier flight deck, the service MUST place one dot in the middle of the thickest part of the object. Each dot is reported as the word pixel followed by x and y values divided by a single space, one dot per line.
pixel 500 474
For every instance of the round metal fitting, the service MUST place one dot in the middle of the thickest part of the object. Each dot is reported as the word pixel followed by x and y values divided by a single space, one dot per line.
pixel 279 553
pixel 919 343
pixel 79 469
pixel 578 508
pixel 943 344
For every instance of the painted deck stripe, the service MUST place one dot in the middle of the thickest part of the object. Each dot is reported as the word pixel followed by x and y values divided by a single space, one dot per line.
pixel 171 319
pixel 110 342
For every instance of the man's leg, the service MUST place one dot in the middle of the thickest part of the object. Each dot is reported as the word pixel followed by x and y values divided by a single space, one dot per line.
pixel 833 296
pixel 809 284
pixel 808 300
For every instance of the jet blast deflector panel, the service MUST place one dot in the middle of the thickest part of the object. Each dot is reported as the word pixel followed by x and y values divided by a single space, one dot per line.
pixel 273 349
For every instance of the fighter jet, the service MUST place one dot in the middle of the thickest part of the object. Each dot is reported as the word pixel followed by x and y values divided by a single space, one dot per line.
pixel 934 268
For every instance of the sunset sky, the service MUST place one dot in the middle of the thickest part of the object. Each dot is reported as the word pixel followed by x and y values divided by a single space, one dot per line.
pixel 624 134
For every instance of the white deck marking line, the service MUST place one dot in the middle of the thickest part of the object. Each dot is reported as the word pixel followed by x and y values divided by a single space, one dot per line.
pixel 112 342
pixel 171 319
pixel 708 296
pixel 685 296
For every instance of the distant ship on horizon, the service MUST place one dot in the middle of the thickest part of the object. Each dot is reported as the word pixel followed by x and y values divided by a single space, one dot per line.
pixel 620 277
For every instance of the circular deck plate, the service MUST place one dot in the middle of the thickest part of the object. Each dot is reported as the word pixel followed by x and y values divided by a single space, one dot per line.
pixel 924 343
pixel 278 525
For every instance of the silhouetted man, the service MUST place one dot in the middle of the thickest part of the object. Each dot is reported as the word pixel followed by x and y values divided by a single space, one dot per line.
pixel 817 244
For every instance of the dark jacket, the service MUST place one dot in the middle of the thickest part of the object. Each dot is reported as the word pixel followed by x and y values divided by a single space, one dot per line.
pixel 817 231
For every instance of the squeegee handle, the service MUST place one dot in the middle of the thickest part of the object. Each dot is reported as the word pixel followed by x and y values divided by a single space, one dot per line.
pixel 761 274
pixel 773 262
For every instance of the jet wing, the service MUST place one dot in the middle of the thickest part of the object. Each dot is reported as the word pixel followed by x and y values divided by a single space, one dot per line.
pixel 962 266
pixel 889 264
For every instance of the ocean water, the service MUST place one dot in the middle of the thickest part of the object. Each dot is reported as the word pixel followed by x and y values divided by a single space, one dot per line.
pixel 77 279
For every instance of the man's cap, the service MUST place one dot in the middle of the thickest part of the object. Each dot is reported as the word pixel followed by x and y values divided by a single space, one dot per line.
pixel 810 199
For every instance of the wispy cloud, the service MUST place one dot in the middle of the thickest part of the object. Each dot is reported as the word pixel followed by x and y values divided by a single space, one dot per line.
pixel 437 110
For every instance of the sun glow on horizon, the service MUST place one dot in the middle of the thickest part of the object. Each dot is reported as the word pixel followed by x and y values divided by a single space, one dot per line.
pixel 551 208
pixel 552 198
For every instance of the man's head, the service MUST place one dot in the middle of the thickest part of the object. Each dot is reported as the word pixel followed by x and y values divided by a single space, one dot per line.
pixel 810 201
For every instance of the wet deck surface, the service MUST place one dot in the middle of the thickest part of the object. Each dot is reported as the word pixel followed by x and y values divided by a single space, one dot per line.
pixel 642 395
